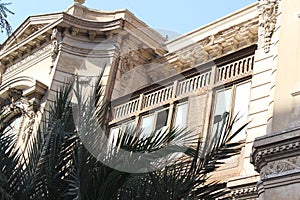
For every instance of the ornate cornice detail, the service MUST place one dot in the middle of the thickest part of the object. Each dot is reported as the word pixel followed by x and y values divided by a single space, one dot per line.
pixel 29 58
pixel 268 10
pixel 250 190
pixel 221 43
pixel 258 156
pixel 279 167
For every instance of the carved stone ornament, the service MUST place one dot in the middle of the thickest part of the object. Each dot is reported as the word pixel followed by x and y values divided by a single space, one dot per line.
pixel 279 167
pixel 129 60
pixel 249 190
pixel 16 104
pixel 79 1
pixel 2 69
pixel 56 38
pixel 268 10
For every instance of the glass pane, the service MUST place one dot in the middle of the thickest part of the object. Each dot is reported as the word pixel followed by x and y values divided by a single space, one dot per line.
pixel 222 108
pixel 242 98
pixel 128 125
pixel 113 136
pixel 147 125
pixel 162 120
pixel 181 116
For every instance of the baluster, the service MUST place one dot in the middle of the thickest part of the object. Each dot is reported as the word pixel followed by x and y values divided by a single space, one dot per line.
pixel 199 81
pixel 116 112
pixel 194 85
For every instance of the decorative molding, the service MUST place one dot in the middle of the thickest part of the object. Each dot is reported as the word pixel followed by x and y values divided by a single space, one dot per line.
pixel 268 10
pixel 79 1
pixel 74 30
pixel 130 60
pixel 220 43
pixel 29 58
pixel 92 35
pixel 258 155
pixel 56 38
pixel 250 190
pixel 280 167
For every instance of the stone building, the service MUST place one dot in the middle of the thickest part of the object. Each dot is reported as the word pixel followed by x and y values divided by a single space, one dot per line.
pixel 244 63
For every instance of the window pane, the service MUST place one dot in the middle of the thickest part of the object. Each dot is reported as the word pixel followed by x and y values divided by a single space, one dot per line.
pixel 128 125
pixel 181 116
pixel 162 120
pixel 222 108
pixel 147 125
pixel 113 136
pixel 242 98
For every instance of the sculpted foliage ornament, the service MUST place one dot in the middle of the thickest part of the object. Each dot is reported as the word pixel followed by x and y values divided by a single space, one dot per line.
pixel 268 10
pixel 16 104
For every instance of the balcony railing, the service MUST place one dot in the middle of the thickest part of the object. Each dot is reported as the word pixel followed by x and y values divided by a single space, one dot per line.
pixel 182 88
pixel 126 109
pixel 235 69
pixel 193 84
pixel 157 97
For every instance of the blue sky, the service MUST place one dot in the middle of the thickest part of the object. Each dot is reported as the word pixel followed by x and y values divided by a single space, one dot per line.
pixel 174 15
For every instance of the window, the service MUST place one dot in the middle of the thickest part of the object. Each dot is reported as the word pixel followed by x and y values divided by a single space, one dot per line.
pixel 115 131
pixel 181 116
pixel 233 100
pixel 156 121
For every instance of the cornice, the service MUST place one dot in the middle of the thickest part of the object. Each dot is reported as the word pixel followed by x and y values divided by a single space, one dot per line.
pixel 215 46
pixel 70 20
pixel 73 50
pixel 278 146
pixel 244 14
pixel 37 20
pixel 27 61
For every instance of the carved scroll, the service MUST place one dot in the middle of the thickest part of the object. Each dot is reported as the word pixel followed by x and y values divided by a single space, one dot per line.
pixel 268 10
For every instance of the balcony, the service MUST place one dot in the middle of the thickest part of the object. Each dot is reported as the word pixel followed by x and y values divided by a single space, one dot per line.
pixel 183 88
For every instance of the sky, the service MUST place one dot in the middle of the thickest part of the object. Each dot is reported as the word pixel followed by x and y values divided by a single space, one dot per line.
pixel 174 16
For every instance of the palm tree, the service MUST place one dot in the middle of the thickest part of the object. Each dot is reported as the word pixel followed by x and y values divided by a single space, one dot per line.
pixel 70 161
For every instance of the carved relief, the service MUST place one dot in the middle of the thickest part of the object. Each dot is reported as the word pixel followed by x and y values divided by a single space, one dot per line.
pixel 56 38
pixel 222 42
pixel 2 70
pixel 258 156
pixel 284 166
pixel 129 60
pixel 268 15
pixel 74 31
pixel 196 53
pixel 15 104
pixel 92 35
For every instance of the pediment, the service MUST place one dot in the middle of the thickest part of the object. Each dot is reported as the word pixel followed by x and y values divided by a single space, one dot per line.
pixel 30 28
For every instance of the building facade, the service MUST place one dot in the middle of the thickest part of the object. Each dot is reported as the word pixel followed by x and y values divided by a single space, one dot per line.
pixel 243 64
